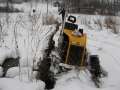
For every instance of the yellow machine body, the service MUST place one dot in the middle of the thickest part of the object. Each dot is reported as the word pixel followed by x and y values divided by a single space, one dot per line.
pixel 77 40
pixel 76 48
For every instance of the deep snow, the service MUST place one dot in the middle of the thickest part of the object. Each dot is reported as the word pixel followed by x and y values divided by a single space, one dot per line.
pixel 33 40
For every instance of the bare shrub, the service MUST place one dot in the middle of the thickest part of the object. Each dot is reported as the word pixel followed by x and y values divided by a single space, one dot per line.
pixel 99 23
pixel 2 33
pixel 110 23
pixel 50 19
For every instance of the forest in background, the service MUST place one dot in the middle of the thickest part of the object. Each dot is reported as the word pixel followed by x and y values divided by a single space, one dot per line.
pixel 102 7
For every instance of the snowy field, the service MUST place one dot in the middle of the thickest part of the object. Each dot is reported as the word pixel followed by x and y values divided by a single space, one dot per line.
pixel 28 32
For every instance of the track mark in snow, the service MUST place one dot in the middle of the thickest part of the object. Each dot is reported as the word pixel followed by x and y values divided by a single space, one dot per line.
pixel 105 42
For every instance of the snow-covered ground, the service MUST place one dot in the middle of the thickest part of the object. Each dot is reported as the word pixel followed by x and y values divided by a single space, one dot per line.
pixel 32 38
pixel 107 46
pixel 14 84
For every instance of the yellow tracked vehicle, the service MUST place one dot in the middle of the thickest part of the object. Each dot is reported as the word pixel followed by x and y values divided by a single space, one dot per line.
pixel 74 51
pixel 74 44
